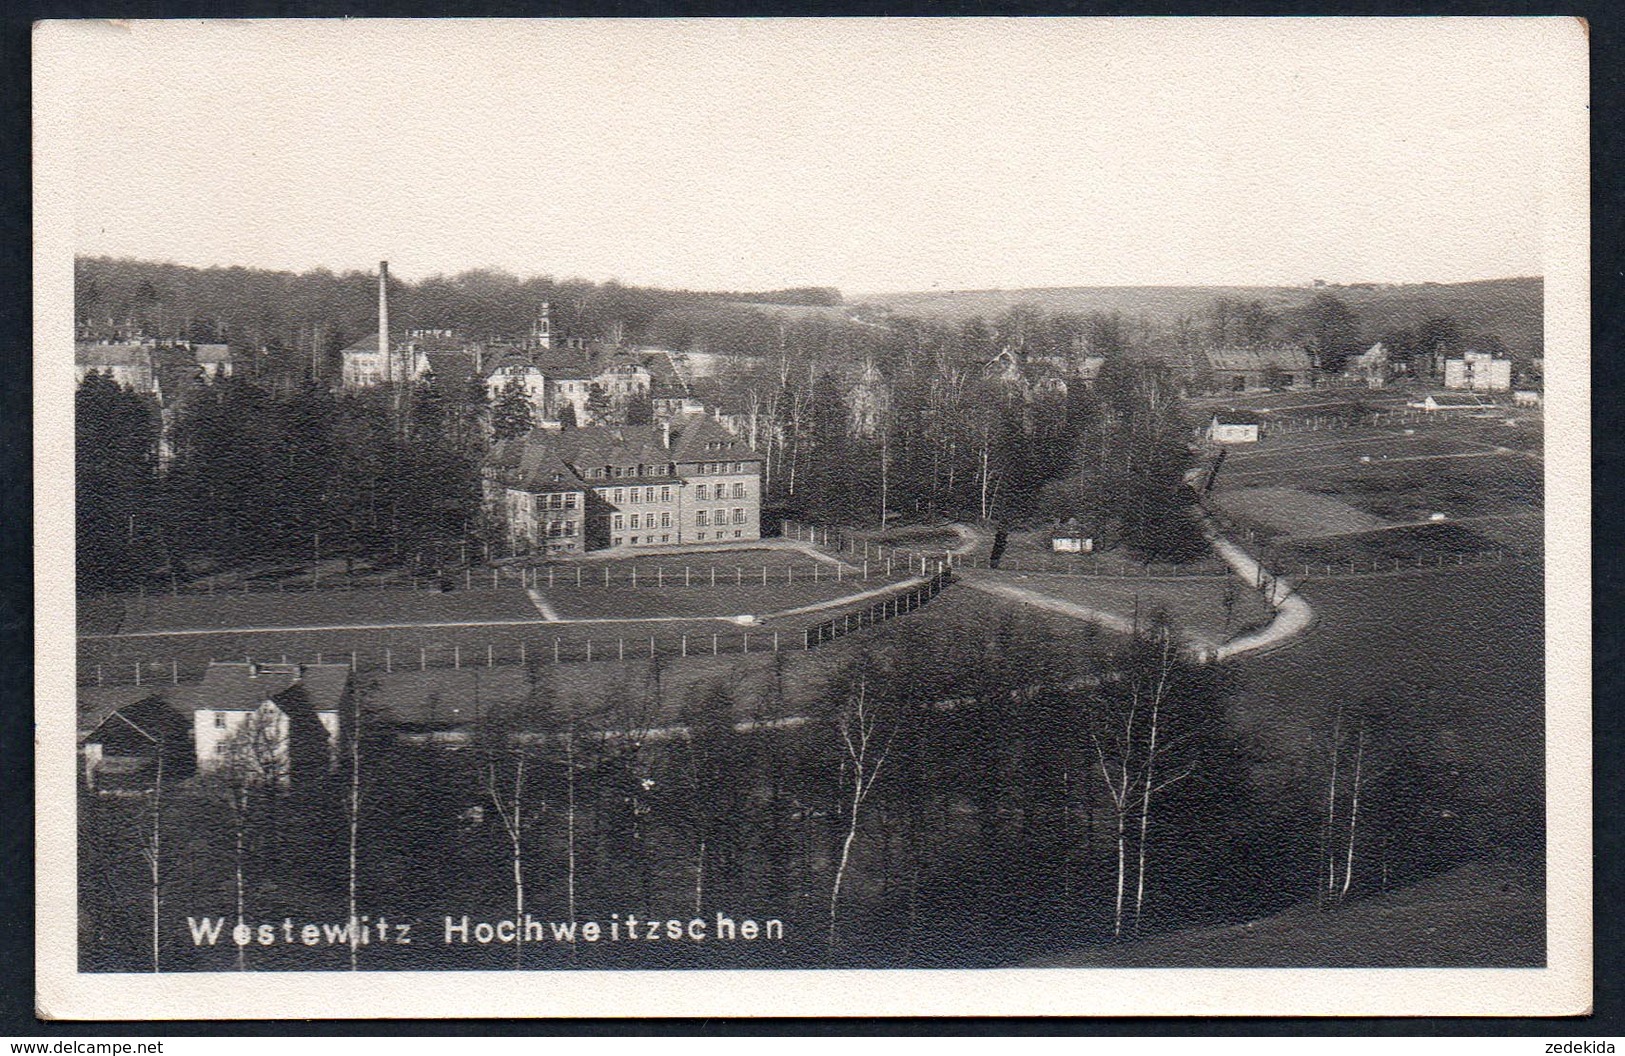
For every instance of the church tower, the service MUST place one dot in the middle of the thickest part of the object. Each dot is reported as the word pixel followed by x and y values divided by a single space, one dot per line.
pixel 541 331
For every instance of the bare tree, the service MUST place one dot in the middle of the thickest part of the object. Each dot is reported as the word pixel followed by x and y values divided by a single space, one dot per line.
pixel 353 810
pixel 510 808
pixel 1165 660
pixel 858 724
pixel 254 768
pixel 152 846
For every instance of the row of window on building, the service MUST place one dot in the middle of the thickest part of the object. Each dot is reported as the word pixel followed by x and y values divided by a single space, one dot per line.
pixel 702 518
pixel 665 537
pixel 669 469
pixel 620 496
pixel 626 496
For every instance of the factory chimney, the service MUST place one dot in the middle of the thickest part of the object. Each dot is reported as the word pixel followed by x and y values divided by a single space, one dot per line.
pixel 383 321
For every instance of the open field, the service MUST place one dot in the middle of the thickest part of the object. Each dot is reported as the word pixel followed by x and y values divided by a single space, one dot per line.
pixel 155 613
pixel 1295 513
pixel 725 599
pixel 1461 650
pixel 1196 606
pixel 1359 494
pixel 176 637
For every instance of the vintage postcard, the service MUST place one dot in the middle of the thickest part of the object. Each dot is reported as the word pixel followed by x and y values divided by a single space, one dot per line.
pixel 812 517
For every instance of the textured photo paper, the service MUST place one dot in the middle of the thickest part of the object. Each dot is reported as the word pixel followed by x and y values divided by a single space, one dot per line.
pixel 812 517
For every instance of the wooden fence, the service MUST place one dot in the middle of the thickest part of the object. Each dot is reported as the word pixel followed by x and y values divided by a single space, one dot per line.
pixel 553 650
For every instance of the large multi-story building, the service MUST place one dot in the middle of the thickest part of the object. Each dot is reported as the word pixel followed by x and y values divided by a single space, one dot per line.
pixel 667 484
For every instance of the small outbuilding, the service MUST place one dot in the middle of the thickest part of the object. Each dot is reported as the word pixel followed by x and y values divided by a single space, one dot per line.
pixel 1234 427
pixel 1070 537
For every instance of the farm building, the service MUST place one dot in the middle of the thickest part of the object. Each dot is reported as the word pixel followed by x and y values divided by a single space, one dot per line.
pixel 1234 427
pixel 1527 398
pixel 1371 366
pixel 1070 537
pixel 1478 372
pixel 1452 403
pixel 1278 366
pixel 123 733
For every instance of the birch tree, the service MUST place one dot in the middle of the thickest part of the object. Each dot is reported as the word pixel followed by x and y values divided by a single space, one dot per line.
pixel 865 740
pixel 509 801
pixel 152 847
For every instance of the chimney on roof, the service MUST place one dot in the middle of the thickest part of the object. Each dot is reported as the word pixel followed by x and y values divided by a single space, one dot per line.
pixel 665 433
pixel 383 320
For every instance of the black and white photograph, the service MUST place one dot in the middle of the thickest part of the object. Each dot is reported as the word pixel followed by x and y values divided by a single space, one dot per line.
pixel 771 516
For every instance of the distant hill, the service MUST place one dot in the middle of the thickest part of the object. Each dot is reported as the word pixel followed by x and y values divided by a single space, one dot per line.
pixel 1508 308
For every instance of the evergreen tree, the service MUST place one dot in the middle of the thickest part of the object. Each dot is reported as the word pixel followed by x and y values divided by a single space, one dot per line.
pixel 598 405
pixel 511 413
pixel 640 410
pixel 116 463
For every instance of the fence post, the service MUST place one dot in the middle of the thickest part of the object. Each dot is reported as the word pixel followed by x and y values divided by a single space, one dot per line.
pixel 685 575
pixel 651 647
pixel 775 641
pixel 713 645
pixel 589 648
pixel 660 578
pixel 389 661
pixel 318 659
pixel 353 666
pixel 578 575
pixel 490 655
pixel 747 641
pixel 555 650
pixel 634 577
pixel 521 653
pixel 423 659
pixel 138 674
pixel 494 576
pixel 606 575
pixel 806 638
pixel 685 645
pixel 457 656
pixel 98 674
pixel 620 646
pixel 713 575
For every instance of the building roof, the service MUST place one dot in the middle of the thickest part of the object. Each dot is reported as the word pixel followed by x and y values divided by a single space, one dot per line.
pixel 535 466
pixel 1232 417
pixel 507 359
pixel 212 353
pixel 98 703
pixel 544 459
pixel 454 364
pixel 244 687
pixel 121 354
pixel 366 344
pixel 565 363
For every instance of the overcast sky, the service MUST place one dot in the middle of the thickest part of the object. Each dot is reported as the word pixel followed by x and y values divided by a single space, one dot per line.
pixel 870 155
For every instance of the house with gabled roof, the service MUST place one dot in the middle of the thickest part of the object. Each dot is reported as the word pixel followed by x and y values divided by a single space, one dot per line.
pixel 283 720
